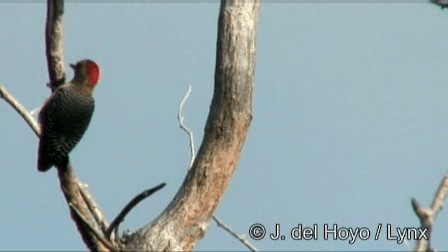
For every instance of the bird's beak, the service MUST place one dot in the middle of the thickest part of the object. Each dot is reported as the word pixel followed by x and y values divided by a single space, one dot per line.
pixel 73 66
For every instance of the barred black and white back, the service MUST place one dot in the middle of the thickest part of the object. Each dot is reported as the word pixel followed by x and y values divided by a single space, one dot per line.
pixel 64 118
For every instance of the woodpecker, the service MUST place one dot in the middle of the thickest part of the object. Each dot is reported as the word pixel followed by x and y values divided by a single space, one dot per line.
pixel 65 116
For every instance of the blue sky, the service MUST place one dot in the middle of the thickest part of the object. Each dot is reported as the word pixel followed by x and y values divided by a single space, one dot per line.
pixel 350 118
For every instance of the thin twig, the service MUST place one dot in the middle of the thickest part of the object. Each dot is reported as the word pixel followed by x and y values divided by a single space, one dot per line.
pixel 428 216
pixel 241 238
pixel 93 208
pixel 35 112
pixel 29 119
pixel 180 118
pixel 93 230
pixel 137 199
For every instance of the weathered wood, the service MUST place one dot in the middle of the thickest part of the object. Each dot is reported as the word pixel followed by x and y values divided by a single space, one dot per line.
pixel 185 220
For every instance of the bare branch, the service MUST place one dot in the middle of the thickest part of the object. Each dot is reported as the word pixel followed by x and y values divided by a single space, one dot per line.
pixel 186 218
pixel 134 202
pixel 93 208
pixel 109 245
pixel 54 38
pixel 428 216
pixel 67 179
pixel 29 119
pixel 241 238
pixel 184 221
pixel 180 118
pixel 69 184
pixel 440 196
pixel 70 188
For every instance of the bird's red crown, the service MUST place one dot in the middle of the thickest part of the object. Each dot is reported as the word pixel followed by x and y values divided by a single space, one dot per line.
pixel 93 73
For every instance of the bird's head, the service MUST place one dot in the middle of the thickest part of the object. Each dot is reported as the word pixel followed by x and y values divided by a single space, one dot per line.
pixel 87 73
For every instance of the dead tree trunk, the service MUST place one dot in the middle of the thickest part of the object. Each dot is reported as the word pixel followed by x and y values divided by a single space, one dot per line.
pixel 185 220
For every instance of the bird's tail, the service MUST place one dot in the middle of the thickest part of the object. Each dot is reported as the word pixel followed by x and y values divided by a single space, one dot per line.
pixel 44 163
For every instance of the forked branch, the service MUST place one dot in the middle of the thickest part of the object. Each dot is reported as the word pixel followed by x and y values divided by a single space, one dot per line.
pixel 186 218
pixel 134 202
pixel 427 216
